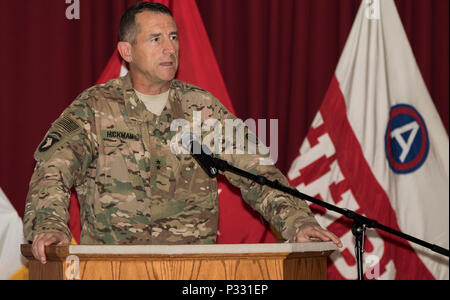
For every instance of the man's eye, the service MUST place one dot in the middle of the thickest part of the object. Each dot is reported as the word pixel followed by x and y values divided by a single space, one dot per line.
pixel 156 39
pixel 174 38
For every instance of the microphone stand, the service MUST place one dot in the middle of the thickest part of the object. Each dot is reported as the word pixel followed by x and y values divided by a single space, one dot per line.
pixel 360 223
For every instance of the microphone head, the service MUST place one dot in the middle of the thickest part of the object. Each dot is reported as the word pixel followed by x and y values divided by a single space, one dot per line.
pixel 201 153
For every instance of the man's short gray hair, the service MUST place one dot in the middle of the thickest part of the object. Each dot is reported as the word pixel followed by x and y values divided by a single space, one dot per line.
pixel 128 27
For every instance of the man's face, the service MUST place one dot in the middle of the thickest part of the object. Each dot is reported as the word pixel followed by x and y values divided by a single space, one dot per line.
pixel 155 53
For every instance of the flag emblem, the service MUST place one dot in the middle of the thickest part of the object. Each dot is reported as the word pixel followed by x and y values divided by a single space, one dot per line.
pixel 406 139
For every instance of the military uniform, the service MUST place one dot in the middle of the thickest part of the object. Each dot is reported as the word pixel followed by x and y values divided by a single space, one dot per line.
pixel 131 187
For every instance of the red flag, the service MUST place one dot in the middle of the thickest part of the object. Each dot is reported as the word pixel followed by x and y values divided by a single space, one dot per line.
pixel 238 223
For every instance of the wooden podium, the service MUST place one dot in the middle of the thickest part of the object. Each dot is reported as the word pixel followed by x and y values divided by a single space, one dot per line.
pixel 184 262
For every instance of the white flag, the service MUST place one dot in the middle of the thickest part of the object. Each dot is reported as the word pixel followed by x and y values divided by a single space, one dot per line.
pixel 378 146
pixel 11 237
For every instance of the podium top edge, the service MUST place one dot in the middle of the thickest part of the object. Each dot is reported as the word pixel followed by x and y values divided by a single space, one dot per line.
pixel 202 249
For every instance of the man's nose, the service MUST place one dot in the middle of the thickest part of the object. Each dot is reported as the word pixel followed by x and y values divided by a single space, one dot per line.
pixel 169 47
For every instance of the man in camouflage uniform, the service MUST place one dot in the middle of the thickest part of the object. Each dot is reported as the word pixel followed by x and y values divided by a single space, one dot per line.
pixel 132 188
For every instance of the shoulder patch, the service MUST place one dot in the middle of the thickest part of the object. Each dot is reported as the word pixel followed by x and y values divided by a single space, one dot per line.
pixel 61 130
pixel 48 142
pixel 66 125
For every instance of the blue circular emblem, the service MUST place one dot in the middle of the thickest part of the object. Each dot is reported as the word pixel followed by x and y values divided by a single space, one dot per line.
pixel 406 139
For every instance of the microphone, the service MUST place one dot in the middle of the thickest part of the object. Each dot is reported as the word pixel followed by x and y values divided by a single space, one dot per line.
pixel 200 153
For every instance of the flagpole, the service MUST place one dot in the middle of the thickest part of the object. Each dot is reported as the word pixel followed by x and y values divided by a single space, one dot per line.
pixel 360 222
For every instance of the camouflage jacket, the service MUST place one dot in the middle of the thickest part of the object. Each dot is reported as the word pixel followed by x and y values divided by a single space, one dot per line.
pixel 131 187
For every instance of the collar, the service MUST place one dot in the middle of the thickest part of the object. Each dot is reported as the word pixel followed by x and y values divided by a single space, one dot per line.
pixel 136 109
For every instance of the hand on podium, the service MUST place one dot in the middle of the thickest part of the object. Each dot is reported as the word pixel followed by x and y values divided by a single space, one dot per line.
pixel 313 232
pixel 46 239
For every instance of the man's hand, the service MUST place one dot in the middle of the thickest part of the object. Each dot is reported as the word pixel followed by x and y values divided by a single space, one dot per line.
pixel 309 233
pixel 46 239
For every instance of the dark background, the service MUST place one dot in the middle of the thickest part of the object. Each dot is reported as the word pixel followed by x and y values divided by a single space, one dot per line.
pixel 277 58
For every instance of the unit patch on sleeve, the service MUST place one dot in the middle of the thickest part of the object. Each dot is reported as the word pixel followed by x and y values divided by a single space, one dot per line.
pixel 61 130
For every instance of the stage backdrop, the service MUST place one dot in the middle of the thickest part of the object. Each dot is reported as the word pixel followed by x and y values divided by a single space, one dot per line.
pixel 277 59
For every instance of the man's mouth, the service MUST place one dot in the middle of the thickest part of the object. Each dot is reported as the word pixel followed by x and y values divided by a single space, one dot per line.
pixel 167 64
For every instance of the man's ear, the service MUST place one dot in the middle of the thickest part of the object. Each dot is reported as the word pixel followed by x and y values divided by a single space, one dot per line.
pixel 125 51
